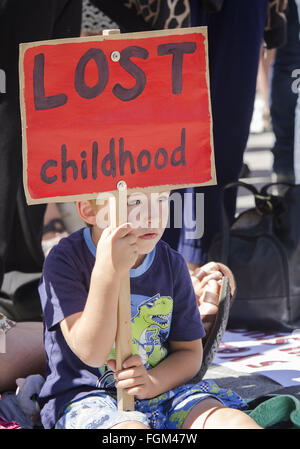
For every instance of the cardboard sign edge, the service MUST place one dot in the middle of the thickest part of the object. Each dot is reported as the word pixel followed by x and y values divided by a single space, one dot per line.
pixel 135 35
pixel 79 197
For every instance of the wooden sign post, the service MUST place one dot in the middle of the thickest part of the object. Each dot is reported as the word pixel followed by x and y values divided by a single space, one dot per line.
pixel 124 334
pixel 116 113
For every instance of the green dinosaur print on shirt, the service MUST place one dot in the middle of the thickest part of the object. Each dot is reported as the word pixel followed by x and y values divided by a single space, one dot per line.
pixel 150 328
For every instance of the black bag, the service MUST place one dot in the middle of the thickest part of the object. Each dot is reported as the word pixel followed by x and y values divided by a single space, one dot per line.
pixel 262 248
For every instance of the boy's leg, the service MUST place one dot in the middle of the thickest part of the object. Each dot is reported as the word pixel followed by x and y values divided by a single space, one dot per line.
pixel 204 405
pixel 210 413
pixel 130 425
pixel 99 411
pixel 24 354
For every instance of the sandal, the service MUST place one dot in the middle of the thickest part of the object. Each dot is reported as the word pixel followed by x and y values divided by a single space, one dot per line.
pixel 217 321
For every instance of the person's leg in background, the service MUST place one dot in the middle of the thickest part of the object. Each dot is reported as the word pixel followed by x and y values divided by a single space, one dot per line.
pixel 24 354
pixel 21 225
pixel 234 40
pixel 283 100
pixel 261 121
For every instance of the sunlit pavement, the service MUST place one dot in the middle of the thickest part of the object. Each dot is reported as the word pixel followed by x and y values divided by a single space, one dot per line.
pixel 259 159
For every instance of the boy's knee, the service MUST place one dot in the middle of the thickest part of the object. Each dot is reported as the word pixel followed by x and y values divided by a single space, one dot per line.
pixel 201 412
pixel 130 425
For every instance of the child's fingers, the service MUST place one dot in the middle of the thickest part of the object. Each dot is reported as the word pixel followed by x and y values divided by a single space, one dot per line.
pixel 132 367
pixel 132 360
pixel 112 364
pixel 122 230
pixel 130 373
pixel 131 384
pixel 106 232
pixel 110 230
pixel 137 391
pixel 134 378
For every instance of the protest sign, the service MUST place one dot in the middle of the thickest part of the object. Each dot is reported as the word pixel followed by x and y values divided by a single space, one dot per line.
pixel 271 354
pixel 132 107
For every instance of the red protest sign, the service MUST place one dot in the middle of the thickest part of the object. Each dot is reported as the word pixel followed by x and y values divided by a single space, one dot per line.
pixel 131 107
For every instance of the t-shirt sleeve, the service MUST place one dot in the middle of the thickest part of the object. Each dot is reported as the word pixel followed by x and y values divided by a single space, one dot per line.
pixel 186 321
pixel 62 289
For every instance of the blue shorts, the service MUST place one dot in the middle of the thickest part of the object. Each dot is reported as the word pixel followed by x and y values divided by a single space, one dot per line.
pixel 167 411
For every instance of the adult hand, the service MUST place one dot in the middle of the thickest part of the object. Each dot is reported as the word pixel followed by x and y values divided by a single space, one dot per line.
pixel 207 281
pixel 202 275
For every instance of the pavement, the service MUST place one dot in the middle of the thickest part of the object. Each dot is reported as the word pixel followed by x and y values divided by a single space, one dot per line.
pixel 259 159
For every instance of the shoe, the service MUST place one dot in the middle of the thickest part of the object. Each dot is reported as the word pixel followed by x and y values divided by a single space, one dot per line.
pixel 212 340
pixel 245 172
pixel 280 190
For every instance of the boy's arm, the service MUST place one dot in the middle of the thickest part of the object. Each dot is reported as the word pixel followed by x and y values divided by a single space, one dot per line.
pixel 91 333
pixel 181 365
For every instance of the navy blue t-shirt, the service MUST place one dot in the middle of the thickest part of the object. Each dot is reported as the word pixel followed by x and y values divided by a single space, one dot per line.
pixel 163 307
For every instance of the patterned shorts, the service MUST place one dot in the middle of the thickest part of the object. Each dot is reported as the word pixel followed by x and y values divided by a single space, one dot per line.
pixel 5 323
pixel 167 411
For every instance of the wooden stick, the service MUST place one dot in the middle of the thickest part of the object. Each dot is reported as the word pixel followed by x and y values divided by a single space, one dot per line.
pixel 112 31
pixel 118 215
pixel 124 332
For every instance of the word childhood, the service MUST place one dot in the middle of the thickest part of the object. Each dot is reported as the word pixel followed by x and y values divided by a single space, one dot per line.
pixel 112 163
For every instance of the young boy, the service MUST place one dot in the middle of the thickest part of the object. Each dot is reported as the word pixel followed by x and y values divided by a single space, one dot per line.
pixel 79 295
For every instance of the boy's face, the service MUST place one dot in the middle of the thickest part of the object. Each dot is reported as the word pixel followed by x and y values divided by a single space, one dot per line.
pixel 146 212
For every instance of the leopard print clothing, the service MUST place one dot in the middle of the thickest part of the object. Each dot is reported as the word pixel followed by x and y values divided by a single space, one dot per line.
pixel 178 11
